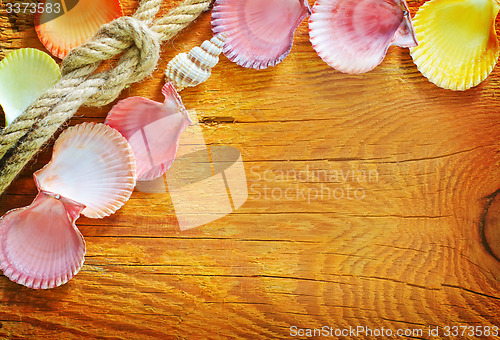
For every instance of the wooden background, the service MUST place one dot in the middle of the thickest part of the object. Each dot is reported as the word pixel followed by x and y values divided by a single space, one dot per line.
pixel 416 252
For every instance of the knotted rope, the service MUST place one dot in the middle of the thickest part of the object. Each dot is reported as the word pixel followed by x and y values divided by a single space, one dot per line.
pixel 137 37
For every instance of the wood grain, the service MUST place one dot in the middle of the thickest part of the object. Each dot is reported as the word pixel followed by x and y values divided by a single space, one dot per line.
pixel 408 255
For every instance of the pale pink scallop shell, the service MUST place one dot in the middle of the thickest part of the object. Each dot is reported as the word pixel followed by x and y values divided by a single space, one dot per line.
pixel 353 36
pixel 259 32
pixel 91 164
pixel 153 130
pixel 40 246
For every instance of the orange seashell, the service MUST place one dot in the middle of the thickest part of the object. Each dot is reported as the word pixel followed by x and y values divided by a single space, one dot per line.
pixel 62 26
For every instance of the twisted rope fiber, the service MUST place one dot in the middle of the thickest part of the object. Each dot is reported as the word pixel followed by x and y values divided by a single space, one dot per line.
pixel 137 37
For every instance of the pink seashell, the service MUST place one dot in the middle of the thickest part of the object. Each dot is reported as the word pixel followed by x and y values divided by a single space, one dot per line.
pixel 91 164
pixel 40 246
pixel 153 130
pixel 353 36
pixel 259 32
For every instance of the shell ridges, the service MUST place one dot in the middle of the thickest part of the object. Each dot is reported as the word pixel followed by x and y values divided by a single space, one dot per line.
pixel 195 67
pixel 25 74
pixel 353 36
pixel 91 164
pixel 60 33
pixel 259 32
pixel 153 130
pixel 458 46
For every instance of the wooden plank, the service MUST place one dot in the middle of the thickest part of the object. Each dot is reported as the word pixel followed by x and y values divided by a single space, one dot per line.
pixel 408 255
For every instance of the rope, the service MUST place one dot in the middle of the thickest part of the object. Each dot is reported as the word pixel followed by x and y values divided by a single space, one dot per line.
pixel 137 37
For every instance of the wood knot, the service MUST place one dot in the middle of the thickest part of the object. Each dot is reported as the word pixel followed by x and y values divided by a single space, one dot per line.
pixel 489 227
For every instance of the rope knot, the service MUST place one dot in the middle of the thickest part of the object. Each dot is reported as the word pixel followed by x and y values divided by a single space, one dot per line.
pixel 132 37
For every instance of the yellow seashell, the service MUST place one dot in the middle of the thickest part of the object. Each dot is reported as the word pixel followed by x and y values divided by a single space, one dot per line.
pixel 195 67
pixel 458 46
pixel 25 74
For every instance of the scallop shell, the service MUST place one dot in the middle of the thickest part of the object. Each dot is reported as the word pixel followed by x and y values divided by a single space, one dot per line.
pixel 64 28
pixel 353 36
pixel 259 32
pixel 91 164
pixel 153 130
pixel 25 74
pixel 193 68
pixel 458 45
pixel 40 246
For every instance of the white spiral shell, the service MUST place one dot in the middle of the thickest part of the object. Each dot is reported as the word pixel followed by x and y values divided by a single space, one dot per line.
pixel 195 67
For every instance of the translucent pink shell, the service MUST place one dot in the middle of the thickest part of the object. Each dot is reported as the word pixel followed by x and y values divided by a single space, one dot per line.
pixel 40 246
pixel 259 32
pixel 153 130
pixel 353 36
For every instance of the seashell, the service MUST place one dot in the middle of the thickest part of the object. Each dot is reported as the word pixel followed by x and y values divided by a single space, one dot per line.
pixel 259 32
pixel 25 74
pixel 193 68
pixel 458 45
pixel 40 246
pixel 91 164
pixel 153 130
pixel 61 29
pixel 353 36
